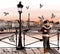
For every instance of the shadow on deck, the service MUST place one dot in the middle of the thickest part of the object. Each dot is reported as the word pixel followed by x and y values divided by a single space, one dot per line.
pixel 28 51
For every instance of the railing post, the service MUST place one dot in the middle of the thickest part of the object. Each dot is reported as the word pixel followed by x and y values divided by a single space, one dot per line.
pixel 58 32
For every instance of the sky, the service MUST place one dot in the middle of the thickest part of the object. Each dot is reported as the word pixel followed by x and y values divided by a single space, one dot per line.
pixel 49 7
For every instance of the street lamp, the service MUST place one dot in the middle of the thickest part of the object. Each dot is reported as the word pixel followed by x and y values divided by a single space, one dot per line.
pixel 27 7
pixel 29 20
pixel 19 47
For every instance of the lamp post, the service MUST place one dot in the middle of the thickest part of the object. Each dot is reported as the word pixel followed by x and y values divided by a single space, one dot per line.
pixel 19 47
pixel 29 20
pixel 27 7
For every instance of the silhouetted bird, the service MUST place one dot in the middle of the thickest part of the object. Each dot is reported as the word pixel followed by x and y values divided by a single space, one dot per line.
pixel 5 13
pixel 41 5
pixel 42 18
pixel 39 17
pixel 53 16
pixel 27 7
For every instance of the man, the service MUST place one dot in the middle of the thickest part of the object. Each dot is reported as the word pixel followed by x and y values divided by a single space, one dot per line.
pixel 45 31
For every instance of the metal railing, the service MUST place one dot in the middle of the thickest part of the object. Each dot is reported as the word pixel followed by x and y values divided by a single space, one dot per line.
pixel 25 33
pixel 39 40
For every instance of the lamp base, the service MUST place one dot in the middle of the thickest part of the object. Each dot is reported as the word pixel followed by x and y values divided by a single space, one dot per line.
pixel 20 48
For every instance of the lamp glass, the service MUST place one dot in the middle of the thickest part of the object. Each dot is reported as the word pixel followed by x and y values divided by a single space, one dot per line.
pixel 20 9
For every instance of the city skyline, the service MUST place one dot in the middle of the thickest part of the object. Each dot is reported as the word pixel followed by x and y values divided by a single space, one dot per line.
pixel 35 11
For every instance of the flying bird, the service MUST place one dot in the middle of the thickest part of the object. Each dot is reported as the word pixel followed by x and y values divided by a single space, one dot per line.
pixel 53 16
pixel 27 7
pixel 41 5
pixel 39 17
pixel 42 18
pixel 5 13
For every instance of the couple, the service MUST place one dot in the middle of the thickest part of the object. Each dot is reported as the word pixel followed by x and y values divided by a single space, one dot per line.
pixel 45 31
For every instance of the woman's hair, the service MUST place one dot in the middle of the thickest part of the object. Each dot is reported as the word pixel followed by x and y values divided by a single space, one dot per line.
pixel 46 21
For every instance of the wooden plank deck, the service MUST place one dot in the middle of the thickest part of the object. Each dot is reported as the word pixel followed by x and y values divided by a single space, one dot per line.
pixel 25 51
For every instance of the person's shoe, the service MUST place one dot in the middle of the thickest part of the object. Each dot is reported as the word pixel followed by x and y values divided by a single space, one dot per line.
pixel 48 48
pixel 45 50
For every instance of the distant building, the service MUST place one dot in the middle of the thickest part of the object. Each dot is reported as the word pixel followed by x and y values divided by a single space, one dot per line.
pixel 15 24
pixel 31 23
pixel 2 25
pixel 56 25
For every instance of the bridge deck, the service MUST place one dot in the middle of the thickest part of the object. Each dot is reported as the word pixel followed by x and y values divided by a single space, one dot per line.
pixel 26 51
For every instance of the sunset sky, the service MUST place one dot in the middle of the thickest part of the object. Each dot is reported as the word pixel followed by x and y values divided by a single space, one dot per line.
pixel 49 7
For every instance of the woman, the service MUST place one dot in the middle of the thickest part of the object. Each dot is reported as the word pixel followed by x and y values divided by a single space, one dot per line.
pixel 45 31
